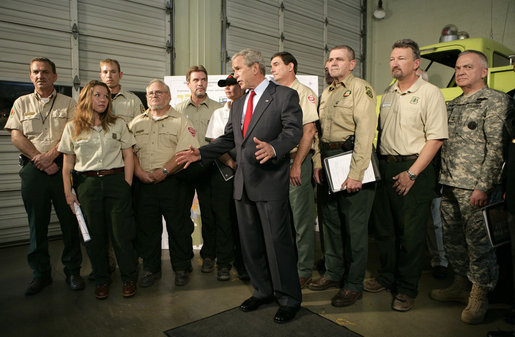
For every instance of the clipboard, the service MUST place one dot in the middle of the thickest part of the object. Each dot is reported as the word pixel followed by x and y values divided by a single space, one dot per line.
pixel 337 169
pixel 496 223
pixel 226 172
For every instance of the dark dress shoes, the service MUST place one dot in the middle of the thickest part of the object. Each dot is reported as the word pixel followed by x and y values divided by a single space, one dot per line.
pixel 253 303
pixel 128 288
pixel 36 285
pixel 285 314
pixel 75 282
pixel 346 297
pixel 102 291
pixel 182 277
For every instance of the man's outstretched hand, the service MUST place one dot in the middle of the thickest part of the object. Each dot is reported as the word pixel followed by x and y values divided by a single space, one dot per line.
pixel 264 151
pixel 187 157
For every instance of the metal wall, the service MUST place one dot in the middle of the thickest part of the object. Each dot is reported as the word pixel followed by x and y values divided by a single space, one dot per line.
pixel 306 28
pixel 76 35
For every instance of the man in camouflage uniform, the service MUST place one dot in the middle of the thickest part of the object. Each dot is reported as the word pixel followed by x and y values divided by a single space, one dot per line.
pixel 471 167
pixel 347 111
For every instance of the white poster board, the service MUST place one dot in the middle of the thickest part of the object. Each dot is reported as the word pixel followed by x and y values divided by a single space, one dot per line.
pixel 181 92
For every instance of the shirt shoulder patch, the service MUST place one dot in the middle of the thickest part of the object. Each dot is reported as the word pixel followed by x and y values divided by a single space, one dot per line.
pixel 369 92
pixel 311 98
pixel 192 131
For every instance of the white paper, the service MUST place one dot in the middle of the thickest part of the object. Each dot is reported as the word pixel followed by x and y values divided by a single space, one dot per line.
pixel 81 221
pixel 339 168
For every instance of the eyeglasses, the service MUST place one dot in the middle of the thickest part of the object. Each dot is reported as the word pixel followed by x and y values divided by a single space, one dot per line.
pixel 155 93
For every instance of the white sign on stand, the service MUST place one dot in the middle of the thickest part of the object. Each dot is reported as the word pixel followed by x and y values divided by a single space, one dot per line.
pixel 180 91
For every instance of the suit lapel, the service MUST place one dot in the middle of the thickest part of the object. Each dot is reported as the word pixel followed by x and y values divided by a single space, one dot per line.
pixel 261 107
pixel 237 112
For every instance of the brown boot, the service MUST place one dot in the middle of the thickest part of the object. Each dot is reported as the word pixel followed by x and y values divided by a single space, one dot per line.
pixel 476 309
pixel 458 291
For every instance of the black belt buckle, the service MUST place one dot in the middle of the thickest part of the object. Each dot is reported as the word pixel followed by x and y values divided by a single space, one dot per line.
pixel 23 160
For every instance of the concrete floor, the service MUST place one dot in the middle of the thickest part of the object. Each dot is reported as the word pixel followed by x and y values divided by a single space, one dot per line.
pixel 58 311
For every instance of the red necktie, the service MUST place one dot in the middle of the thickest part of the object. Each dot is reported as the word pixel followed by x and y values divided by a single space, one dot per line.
pixel 248 112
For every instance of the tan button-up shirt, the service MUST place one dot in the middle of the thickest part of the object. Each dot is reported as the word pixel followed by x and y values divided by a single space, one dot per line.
pixel 349 108
pixel 408 119
pixel 42 123
pixel 308 103
pixel 199 116
pixel 157 141
pixel 97 149
pixel 127 105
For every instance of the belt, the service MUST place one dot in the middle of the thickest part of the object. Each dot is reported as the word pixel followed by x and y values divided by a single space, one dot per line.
pixel 102 173
pixel 23 160
pixel 331 146
pixel 398 159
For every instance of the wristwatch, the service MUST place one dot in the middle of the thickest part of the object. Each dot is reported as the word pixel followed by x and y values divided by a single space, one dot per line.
pixel 165 171
pixel 411 175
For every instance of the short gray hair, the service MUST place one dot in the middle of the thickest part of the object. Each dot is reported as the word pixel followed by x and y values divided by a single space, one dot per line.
pixel 250 57
pixel 482 57
pixel 156 80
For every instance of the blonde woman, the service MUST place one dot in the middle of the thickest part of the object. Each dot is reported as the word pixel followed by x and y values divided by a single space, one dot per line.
pixel 98 147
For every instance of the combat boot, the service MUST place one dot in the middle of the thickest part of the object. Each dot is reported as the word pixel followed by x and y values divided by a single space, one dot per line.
pixel 475 311
pixel 458 291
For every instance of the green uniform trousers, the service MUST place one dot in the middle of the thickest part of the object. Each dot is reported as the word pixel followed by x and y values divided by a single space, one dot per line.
pixel 224 217
pixel 346 234
pixel 400 226
pixel 200 177
pixel 466 240
pixel 39 191
pixel 106 203
pixel 171 199
pixel 302 203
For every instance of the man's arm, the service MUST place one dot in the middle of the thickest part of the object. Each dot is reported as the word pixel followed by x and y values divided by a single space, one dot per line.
pixel 24 145
pixel 305 144
pixel 492 164
pixel 227 160
pixel 365 120
pixel 171 166
pixel 43 161
pixel 403 183
pixel 291 133
pixel 143 176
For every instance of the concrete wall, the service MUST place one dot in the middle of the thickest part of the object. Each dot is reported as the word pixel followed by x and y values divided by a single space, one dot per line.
pixel 198 35
pixel 423 21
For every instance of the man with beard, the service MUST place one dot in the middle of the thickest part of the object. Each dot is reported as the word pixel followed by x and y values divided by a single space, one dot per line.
pixel 198 109
pixel 412 128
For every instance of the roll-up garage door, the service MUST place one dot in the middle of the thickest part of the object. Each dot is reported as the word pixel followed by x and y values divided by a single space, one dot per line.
pixel 76 35
pixel 306 28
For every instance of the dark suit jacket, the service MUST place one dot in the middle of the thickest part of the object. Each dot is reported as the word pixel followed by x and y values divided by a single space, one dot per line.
pixel 277 120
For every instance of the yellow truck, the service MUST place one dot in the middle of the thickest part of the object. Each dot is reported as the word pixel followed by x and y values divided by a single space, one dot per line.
pixel 438 61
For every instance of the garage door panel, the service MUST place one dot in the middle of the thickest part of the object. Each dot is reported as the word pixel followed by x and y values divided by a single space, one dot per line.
pixel 53 15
